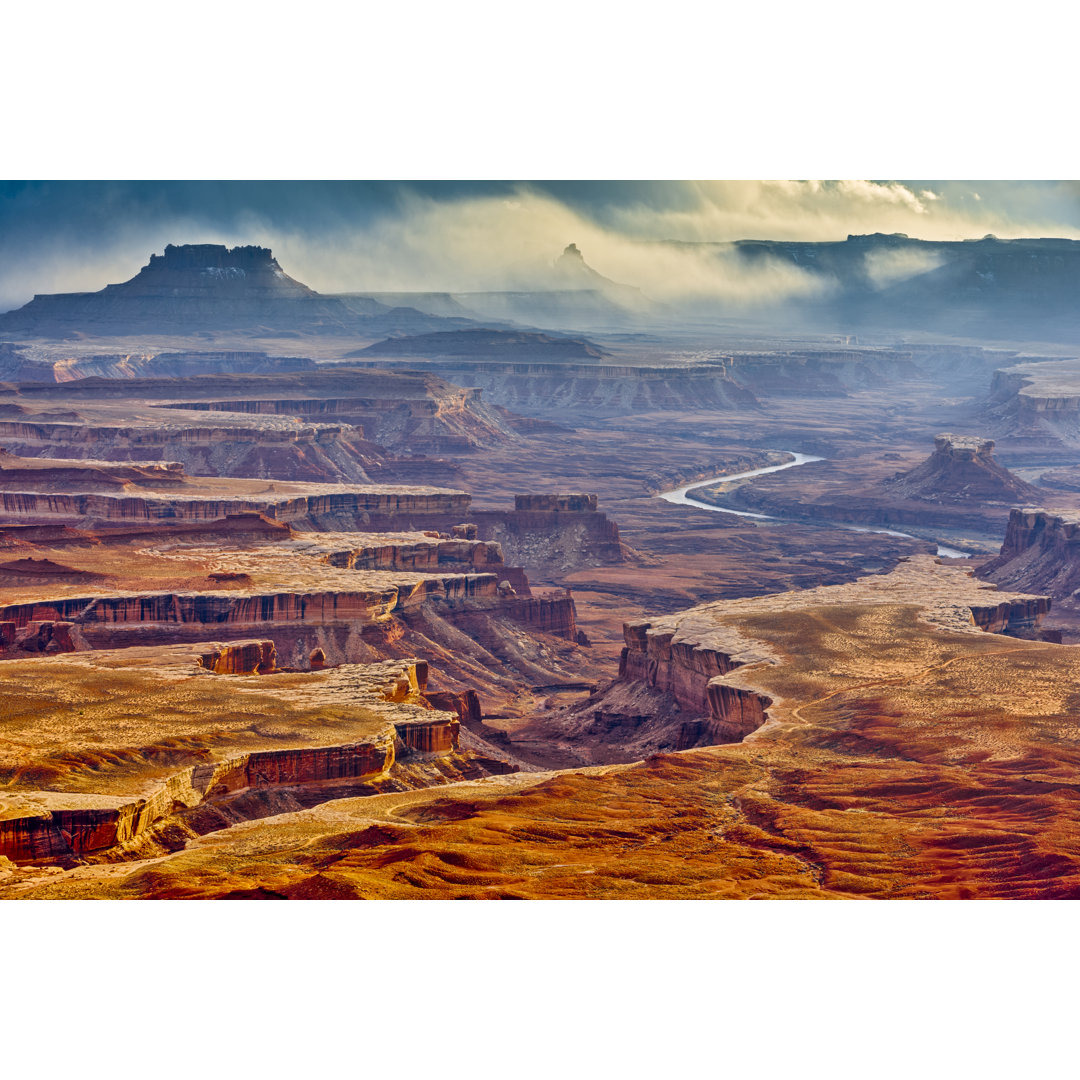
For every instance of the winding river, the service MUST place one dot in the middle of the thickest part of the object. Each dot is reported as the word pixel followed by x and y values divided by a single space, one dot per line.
pixel 680 497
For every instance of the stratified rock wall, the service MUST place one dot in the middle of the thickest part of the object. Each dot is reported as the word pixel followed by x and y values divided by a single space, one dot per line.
pixel 389 506
pixel 693 675
pixel 553 533
pixel 1041 551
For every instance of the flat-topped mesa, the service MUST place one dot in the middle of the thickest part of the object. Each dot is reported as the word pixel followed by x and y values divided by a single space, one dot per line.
pixel 205 259
pixel 576 504
pixel 553 533
pixel 199 287
pixel 962 470
pixel 356 725
pixel 325 505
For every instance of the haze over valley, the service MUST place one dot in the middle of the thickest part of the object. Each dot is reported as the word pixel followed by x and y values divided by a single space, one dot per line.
pixel 539 540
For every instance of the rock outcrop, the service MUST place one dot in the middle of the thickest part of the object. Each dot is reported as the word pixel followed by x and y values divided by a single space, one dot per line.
pixel 382 716
pixel 1041 550
pixel 200 287
pixel 240 658
pixel 962 470
pixel 686 679
pixel 1034 410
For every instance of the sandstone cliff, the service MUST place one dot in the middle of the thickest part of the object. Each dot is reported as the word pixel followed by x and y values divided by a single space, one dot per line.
pixel 1034 409
pixel 1041 550
pixel 689 680
pixel 383 716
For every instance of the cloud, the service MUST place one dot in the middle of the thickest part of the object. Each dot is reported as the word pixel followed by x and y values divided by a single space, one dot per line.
pixel 886 267
pixel 497 235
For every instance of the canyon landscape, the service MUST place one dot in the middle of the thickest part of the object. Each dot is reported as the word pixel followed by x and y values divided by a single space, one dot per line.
pixel 707 570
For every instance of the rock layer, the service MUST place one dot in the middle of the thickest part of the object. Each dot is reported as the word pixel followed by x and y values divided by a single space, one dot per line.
pixel 962 470
pixel 687 679
pixel 1041 550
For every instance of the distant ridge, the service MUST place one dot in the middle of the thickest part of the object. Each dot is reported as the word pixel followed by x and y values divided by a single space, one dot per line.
pixel 197 287
pixel 1022 289
pixel 488 344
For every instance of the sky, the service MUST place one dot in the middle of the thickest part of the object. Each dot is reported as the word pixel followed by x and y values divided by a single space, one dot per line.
pixel 463 236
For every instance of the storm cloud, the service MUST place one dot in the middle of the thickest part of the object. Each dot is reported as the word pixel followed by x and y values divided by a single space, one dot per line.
pixel 486 235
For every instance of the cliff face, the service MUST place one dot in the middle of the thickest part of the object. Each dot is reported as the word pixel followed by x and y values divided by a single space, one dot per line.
pixel 695 678
pixel 240 658
pixel 1041 551
pixel 549 614
pixel 553 533
pixel 198 610
pixel 1034 409
pixel 452 418
pixel 601 389
pixel 19 365
pixel 19 474
pixel 692 674
pixel 342 505
pixel 489 344
pixel 386 718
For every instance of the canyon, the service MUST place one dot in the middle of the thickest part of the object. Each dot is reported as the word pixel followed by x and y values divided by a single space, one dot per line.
pixel 959 495
pixel 831 792
pixel 313 596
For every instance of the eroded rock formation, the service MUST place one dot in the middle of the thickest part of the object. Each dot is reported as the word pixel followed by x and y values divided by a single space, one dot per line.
pixel 1041 550
pixel 194 287
pixel 962 469
pixel 687 679
pixel 380 715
